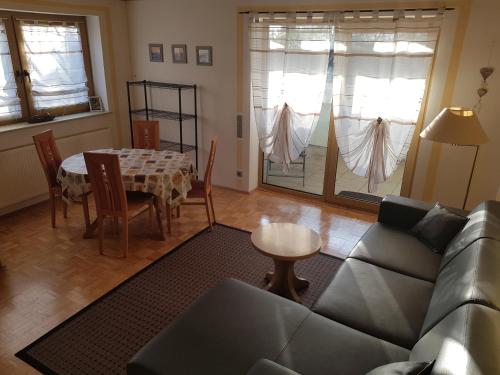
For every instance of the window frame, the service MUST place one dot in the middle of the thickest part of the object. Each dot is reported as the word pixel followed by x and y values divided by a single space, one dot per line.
pixel 20 63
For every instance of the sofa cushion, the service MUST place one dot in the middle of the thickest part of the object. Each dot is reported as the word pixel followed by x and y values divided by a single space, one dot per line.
pixel 472 276
pixel 226 332
pixel 398 251
pixel 465 342
pixel 438 227
pixel 322 346
pixel 403 368
pixel 380 302
pixel 400 212
pixel 484 222
pixel 266 367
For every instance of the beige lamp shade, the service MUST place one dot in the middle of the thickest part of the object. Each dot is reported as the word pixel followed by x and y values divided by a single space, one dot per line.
pixel 457 126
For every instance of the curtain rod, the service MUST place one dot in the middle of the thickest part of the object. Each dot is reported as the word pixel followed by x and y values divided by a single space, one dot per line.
pixel 345 10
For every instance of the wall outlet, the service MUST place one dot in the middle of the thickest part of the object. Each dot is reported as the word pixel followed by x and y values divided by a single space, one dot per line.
pixel 239 174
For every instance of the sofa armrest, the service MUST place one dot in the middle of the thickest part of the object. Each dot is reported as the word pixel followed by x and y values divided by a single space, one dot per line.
pixel 266 367
pixel 401 212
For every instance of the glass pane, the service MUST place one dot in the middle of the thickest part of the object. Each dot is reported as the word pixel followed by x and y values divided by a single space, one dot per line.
pixel 56 65
pixel 379 84
pixel 10 105
pixel 295 62
pixel 349 185
pixel 307 172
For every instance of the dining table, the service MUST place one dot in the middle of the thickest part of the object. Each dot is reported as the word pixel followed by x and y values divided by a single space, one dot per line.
pixel 165 174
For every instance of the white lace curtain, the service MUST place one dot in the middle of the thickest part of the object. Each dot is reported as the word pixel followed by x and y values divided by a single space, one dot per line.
pixel 288 63
pixel 55 61
pixel 380 72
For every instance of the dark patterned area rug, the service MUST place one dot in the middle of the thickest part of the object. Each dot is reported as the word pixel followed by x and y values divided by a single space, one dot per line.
pixel 102 337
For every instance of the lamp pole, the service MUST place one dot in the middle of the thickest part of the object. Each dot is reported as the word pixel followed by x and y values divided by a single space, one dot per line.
pixel 471 174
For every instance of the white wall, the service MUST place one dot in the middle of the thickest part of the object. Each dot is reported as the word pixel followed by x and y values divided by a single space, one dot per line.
pixel 195 23
pixel 481 48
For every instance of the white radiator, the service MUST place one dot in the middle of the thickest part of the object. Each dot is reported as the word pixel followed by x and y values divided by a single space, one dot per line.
pixel 22 181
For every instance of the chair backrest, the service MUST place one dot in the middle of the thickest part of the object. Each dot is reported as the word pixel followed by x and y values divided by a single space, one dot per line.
pixel 49 155
pixel 207 181
pixel 107 185
pixel 146 134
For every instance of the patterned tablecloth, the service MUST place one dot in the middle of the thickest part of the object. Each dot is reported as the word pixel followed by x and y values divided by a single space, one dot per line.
pixel 166 174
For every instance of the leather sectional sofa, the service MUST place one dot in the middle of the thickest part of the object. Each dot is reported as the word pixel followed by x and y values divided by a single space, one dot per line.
pixel 392 300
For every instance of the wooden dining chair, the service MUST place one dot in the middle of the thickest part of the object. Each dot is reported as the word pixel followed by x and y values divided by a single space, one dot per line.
pixel 111 199
pixel 50 158
pixel 146 134
pixel 203 189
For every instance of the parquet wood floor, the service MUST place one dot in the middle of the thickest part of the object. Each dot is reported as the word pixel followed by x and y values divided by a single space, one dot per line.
pixel 49 274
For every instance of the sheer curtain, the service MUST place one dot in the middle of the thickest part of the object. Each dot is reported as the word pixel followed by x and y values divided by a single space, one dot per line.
pixel 10 105
pixel 380 70
pixel 288 66
pixel 55 62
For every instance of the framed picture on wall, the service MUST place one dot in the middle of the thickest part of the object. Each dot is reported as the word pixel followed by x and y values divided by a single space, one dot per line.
pixel 204 55
pixel 95 104
pixel 179 54
pixel 155 52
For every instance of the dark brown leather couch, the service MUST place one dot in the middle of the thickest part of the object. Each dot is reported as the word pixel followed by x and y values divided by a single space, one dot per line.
pixel 392 300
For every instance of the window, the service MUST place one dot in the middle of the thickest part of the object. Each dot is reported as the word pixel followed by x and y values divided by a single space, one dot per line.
pixel 45 66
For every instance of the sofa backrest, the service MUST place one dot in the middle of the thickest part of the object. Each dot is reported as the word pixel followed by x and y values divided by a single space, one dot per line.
pixel 470 277
pixel 484 222
pixel 465 342
pixel 461 329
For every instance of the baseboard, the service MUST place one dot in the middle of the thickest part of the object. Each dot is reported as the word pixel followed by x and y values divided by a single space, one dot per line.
pixel 26 203
pixel 232 189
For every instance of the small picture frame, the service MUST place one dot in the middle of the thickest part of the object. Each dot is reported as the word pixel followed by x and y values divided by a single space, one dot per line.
pixel 155 52
pixel 179 53
pixel 95 104
pixel 204 55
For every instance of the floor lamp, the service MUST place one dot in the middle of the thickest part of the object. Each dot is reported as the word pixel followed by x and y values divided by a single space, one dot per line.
pixel 460 127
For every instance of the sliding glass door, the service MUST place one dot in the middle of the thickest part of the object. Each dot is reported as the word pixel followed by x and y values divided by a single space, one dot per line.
pixel 338 105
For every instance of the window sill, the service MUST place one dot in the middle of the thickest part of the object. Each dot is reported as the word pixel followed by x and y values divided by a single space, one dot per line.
pixel 27 125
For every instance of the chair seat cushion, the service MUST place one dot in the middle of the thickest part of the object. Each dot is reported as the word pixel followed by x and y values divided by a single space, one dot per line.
pixel 137 202
pixel 380 302
pixel 396 250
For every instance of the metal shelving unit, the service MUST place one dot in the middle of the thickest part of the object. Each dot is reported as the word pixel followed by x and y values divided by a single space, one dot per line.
pixel 178 116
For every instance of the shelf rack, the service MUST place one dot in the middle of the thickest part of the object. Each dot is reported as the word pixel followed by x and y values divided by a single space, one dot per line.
pixel 178 116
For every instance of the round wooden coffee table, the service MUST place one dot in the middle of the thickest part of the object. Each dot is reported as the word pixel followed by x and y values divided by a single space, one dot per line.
pixel 286 243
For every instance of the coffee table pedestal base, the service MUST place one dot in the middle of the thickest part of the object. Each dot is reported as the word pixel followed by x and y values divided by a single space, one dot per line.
pixel 283 280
